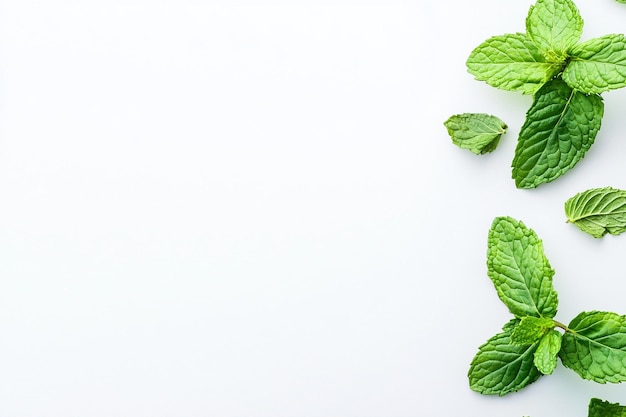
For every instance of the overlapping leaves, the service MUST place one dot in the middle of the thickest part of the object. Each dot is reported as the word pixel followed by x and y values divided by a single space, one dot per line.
pixel 593 344
pixel 564 76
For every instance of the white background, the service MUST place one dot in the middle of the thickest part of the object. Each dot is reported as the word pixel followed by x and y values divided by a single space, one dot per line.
pixel 252 209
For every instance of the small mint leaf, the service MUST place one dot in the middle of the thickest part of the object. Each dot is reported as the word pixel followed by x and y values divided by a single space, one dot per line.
pixel 511 62
pixel 531 329
pixel 478 132
pixel 501 367
pixel 547 352
pixel 519 269
pixel 597 65
pixel 561 125
pixel 598 211
pixel 554 26
pixel 595 346
pixel 599 408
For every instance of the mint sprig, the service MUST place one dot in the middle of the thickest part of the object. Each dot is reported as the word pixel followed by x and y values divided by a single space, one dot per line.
pixel 593 345
pixel 564 76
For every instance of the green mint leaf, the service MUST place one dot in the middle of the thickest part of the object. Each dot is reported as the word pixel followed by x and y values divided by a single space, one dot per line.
pixel 478 132
pixel 561 125
pixel 531 329
pixel 597 65
pixel 547 352
pixel 501 367
pixel 595 346
pixel 598 211
pixel 519 269
pixel 511 62
pixel 599 408
pixel 554 26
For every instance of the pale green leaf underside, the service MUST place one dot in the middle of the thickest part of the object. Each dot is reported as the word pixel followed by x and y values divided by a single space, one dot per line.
pixel 596 346
pixel 554 26
pixel 478 132
pixel 501 367
pixel 547 352
pixel 598 65
pixel 561 125
pixel 599 408
pixel 519 269
pixel 598 211
pixel 511 62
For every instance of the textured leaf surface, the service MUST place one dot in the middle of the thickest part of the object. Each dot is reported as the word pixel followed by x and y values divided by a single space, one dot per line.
pixel 531 329
pixel 598 211
pixel 598 65
pixel 599 408
pixel 547 352
pixel 596 346
pixel 561 125
pixel 478 132
pixel 519 269
pixel 501 367
pixel 554 26
pixel 511 62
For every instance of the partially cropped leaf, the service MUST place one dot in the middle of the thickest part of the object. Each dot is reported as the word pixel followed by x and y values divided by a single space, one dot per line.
pixel 595 346
pixel 554 26
pixel 531 329
pixel 597 65
pixel 501 367
pixel 478 132
pixel 519 269
pixel 547 352
pixel 598 211
pixel 599 408
pixel 511 62
pixel 561 125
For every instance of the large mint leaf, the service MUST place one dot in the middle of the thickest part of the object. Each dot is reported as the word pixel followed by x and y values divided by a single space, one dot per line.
pixel 599 408
pixel 501 367
pixel 478 132
pixel 598 211
pixel 511 62
pixel 595 346
pixel 519 269
pixel 561 125
pixel 554 26
pixel 597 65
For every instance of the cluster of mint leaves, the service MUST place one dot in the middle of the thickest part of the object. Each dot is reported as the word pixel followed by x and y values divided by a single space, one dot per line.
pixel 565 78
pixel 593 344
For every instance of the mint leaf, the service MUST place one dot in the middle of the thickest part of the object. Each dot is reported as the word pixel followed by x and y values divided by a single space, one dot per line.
pixel 478 132
pixel 597 65
pixel 501 367
pixel 531 329
pixel 554 26
pixel 598 211
pixel 561 125
pixel 519 269
pixel 547 352
pixel 595 346
pixel 511 62
pixel 599 408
